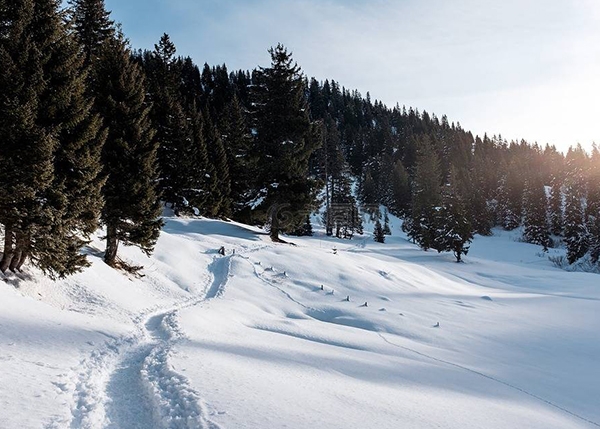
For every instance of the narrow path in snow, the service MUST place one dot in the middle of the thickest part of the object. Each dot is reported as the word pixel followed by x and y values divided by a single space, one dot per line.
pixel 128 383
pixel 127 403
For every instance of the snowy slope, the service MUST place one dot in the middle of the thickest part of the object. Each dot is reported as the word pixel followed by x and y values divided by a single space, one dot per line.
pixel 249 340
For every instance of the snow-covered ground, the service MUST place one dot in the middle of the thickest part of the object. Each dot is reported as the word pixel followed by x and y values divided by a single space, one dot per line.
pixel 251 340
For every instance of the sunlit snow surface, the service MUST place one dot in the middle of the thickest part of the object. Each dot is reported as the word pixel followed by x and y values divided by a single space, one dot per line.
pixel 250 340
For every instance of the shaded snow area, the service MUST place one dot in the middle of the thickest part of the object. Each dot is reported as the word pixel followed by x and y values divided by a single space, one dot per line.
pixel 279 336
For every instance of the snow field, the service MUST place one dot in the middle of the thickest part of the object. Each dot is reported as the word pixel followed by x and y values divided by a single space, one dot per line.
pixel 250 340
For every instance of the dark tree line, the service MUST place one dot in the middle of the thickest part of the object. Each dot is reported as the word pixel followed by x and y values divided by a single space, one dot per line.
pixel 95 134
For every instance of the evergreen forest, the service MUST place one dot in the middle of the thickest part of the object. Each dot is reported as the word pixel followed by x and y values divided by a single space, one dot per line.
pixel 94 133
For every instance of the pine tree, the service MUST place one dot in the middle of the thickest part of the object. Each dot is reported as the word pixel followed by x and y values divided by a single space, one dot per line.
pixel 386 224
pixel 575 233
pixel 378 234
pixel 368 192
pixel 555 207
pixel 176 118
pixel 219 202
pixel 426 196
pixel 454 231
pixel 305 229
pixel 509 211
pixel 132 210
pixel 284 141
pixel 237 140
pixel 59 199
pixel 93 26
pixel 199 171
pixel 334 172
pixel 26 168
pixel 535 217
pixel 357 224
pixel 593 205
pixel 475 185
pixel 401 194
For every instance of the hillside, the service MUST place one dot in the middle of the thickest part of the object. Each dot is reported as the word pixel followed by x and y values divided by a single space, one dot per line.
pixel 250 340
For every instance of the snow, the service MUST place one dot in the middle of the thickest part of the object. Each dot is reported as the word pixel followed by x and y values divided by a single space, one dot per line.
pixel 249 339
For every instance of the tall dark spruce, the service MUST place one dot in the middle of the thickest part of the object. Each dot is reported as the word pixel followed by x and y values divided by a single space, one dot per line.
pixel 284 143
pixel 132 209
pixel 237 140
pixel 535 214
pixel 93 26
pixel 53 142
pixel 219 201
pixel 426 196
pixel 454 230
pixel 575 231
pixel 593 205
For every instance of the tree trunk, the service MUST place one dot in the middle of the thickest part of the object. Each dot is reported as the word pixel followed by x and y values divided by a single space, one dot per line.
pixel 9 252
pixel 274 224
pixel 112 245
pixel 24 246
pixel 18 251
pixel 457 254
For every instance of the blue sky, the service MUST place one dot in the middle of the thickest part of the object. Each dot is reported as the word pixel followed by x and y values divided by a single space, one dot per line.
pixel 522 68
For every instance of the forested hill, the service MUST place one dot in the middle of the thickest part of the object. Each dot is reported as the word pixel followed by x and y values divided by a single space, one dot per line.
pixel 96 133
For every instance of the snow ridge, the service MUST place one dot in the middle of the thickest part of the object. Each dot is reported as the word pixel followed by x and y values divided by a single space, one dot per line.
pixel 489 377
pixel 533 395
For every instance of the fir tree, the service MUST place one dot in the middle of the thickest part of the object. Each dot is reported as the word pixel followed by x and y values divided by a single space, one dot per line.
pixel 386 224
pixel 575 232
pixel 555 207
pixel 357 224
pixel 593 204
pixel 334 173
pixel 132 210
pixel 306 229
pixel 508 209
pixel 219 203
pixel 426 196
pixel 57 201
pixel 26 168
pixel 199 171
pixel 368 192
pixel 237 140
pixel 474 185
pixel 535 218
pixel 176 118
pixel 401 194
pixel 454 231
pixel 284 140
pixel 341 215
pixel 93 26
pixel 378 234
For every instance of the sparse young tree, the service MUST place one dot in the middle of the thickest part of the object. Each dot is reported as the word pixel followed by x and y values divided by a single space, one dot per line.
pixel 378 234
pixel 386 224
